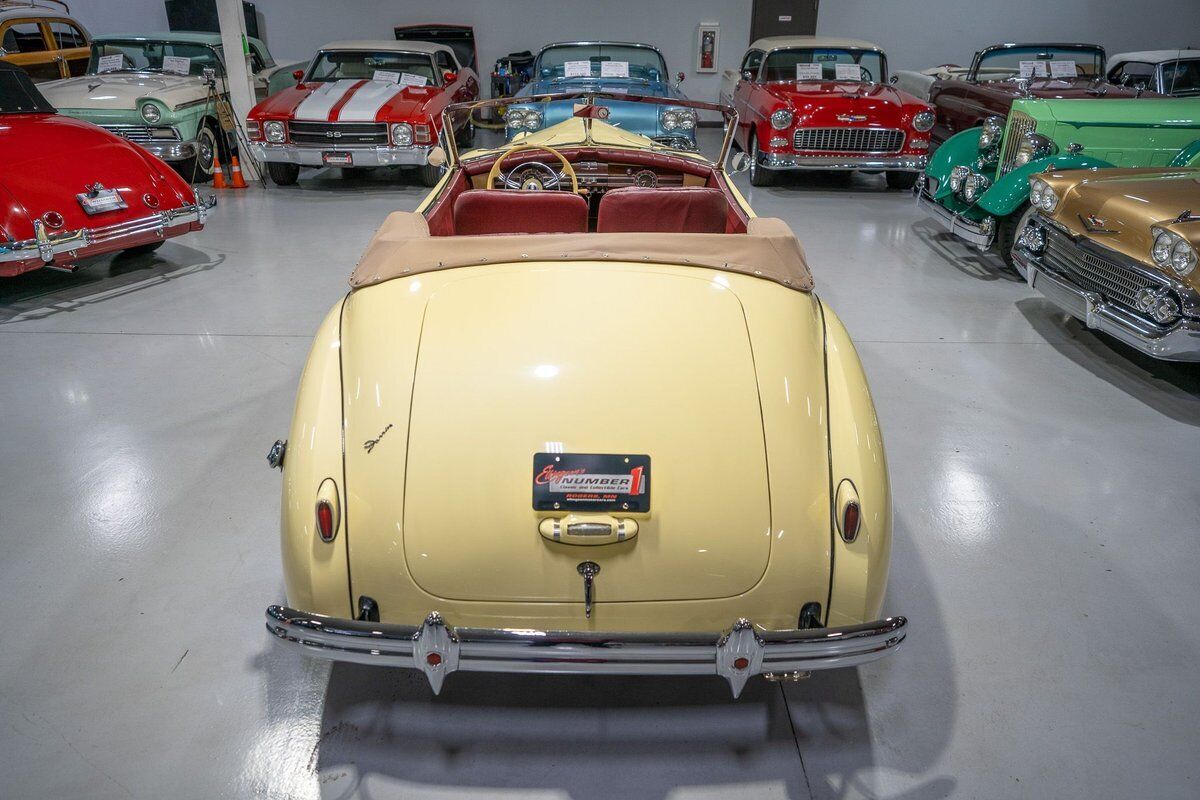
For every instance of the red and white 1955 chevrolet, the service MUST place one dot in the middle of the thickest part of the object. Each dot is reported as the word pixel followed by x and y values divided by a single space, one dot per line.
pixel 363 104
pixel 812 102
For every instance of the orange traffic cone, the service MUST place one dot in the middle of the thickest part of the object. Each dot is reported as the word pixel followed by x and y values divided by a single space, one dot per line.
pixel 218 174
pixel 235 172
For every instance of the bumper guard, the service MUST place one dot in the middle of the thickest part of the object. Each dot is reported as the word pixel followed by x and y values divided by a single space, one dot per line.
pixel 979 234
pixel 438 649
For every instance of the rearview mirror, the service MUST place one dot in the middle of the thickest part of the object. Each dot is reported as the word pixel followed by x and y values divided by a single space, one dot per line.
pixel 740 162
pixel 436 157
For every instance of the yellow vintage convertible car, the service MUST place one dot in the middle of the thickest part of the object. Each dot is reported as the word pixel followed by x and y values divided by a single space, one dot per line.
pixel 582 412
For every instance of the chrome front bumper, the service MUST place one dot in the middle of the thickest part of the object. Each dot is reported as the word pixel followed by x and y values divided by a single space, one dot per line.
pixel 1180 342
pixel 46 245
pixel 783 161
pixel 383 156
pixel 979 234
pixel 438 649
pixel 171 151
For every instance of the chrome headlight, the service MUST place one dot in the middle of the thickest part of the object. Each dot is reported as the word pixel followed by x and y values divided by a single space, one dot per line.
pixel 993 129
pixel 1041 195
pixel 523 119
pixel 957 176
pixel 781 119
pixel 923 121
pixel 1032 147
pixel 974 185
pixel 150 112
pixel 273 131
pixel 402 134
pixel 683 119
pixel 1172 250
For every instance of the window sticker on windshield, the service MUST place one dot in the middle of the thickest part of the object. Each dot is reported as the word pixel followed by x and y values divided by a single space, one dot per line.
pixel 614 69
pixel 577 69
pixel 180 65
pixel 808 72
pixel 847 72
pixel 1031 69
pixel 1062 69
pixel 110 63
pixel 408 79
pixel 386 76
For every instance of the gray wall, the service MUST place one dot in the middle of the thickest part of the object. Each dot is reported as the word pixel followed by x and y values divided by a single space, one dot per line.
pixel 923 33
pixel 915 33
pixel 296 28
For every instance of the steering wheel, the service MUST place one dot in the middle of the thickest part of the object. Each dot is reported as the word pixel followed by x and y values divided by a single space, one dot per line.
pixel 518 179
pixel 867 72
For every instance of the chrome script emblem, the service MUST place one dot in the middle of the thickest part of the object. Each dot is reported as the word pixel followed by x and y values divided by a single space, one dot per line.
pixel 851 117
pixel 333 134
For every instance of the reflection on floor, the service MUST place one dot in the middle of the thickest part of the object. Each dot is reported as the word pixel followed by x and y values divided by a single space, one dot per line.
pixel 1046 521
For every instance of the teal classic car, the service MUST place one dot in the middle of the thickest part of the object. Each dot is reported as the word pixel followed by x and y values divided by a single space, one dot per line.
pixel 160 91
pixel 977 182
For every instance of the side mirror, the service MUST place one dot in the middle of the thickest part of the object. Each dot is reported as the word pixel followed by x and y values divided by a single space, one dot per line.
pixel 449 77
pixel 894 80
pixel 298 74
pixel 436 157
pixel 747 75
pixel 679 78
pixel 740 162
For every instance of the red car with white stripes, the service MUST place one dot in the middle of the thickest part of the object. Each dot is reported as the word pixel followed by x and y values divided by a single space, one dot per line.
pixel 363 104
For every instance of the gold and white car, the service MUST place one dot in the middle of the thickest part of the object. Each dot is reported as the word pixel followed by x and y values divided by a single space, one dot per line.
pixel 582 412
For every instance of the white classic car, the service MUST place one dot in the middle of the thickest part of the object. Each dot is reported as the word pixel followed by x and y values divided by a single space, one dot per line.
pixel 1171 72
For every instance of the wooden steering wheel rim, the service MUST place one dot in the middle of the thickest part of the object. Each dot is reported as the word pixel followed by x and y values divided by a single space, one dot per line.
pixel 522 148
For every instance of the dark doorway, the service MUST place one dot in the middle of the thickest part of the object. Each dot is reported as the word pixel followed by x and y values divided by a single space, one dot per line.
pixel 783 18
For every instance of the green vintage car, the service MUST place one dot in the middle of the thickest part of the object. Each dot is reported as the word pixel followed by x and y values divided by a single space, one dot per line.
pixel 159 90
pixel 977 182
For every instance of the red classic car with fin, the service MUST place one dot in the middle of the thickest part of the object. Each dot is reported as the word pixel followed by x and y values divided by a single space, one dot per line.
pixel 816 103
pixel 1002 73
pixel 70 190
pixel 363 104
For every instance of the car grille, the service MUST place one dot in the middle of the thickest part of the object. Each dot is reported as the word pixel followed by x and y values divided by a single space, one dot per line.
pixel 849 140
pixel 1019 124
pixel 334 134
pixel 1095 273
pixel 144 134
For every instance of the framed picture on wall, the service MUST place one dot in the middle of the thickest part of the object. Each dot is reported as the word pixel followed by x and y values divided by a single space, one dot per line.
pixel 708 40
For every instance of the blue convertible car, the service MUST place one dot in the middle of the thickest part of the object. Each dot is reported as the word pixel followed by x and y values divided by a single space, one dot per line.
pixel 612 67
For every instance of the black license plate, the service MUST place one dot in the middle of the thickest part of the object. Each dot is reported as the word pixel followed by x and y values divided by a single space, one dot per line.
pixel 336 159
pixel 591 482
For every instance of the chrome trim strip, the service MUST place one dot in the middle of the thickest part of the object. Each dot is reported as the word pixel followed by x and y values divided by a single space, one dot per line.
pixel 47 246
pixel 978 234
pixel 437 649
pixel 848 161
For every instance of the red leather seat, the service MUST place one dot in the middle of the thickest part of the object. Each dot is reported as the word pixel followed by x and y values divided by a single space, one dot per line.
pixel 632 209
pixel 484 211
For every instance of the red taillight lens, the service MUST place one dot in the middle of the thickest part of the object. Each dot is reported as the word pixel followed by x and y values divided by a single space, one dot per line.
pixel 325 527
pixel 433 659
pixel 421 134
pixel 851 516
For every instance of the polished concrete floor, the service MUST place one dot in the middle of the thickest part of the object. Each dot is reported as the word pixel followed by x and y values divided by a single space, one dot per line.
pixel 1046 548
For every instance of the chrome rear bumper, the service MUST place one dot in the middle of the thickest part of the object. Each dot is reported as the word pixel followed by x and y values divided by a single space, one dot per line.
pixel 46 246
pixel 438 649
pixel 783 161
pixel 980 234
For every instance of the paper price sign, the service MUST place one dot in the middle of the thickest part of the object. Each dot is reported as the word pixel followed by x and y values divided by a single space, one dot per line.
pixel 847 72
pixel 1034 69
pixel 808 72
pixel 577 69
pixel 408 79
pixel 110 63
pixel 385 76
pixel 614 69
pixel 1063 69
pixel 180 65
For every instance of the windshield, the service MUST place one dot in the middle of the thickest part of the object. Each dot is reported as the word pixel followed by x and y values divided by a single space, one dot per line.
pixel 363 64
pixel 140 56
pixel 18 95
pixel 825 64
pixel 1041 61
pixel 1182 77
pixel 589 60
